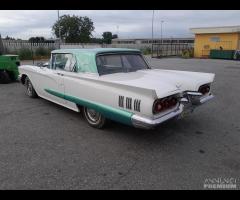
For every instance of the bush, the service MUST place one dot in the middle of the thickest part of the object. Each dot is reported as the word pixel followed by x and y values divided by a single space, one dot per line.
pixel 42 52
pixel 8 51
pixel 146 51
pixel 25 54
pixel 187 53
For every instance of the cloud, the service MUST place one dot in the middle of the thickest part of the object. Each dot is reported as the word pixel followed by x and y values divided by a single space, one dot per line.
pixel 131 23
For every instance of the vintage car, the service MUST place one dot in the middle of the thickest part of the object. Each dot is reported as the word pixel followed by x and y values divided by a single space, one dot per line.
pixel 116 84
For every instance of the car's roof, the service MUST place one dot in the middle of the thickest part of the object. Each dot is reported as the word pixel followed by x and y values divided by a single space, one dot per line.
pixel 86 58
pixel 95 50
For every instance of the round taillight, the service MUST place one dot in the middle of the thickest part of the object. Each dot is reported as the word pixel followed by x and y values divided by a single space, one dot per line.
pixel 204 89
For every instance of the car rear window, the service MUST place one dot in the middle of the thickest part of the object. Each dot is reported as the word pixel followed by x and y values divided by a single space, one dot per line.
pixel 115 63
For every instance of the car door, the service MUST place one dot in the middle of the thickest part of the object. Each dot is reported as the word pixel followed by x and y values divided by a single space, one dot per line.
pixel 70 81
pixel 52 79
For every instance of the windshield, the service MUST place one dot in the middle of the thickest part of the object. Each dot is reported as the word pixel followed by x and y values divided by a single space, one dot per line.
pixel 115 63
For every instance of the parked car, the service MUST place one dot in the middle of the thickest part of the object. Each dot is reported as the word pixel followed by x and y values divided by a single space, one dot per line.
pixel 116 84
pixel 9 68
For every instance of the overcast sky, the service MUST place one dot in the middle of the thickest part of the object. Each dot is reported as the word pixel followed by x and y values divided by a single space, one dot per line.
pixel 130 23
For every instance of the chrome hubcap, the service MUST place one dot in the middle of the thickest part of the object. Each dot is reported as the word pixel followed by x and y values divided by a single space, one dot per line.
pixel 93 115
pixel 29 88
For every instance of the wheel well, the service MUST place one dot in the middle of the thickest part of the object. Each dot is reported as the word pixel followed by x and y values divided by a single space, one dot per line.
pixel 23 78
pixel 80 107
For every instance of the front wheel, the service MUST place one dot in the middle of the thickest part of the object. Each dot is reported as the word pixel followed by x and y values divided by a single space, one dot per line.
pixel 30 89
pixel 94 118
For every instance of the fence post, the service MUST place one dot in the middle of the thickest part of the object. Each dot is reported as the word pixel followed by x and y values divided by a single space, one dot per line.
pixel 32 54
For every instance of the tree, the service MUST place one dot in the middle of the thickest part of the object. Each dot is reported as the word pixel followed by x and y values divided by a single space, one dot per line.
pixel 114 36
pixel 96 40
pixel 74 29
pixel 37 40
pixel 107 37
pixel 9 38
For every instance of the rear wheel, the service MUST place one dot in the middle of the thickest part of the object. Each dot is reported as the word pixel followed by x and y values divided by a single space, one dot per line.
pixel 4 77
pixel 30 89
pixel 94 118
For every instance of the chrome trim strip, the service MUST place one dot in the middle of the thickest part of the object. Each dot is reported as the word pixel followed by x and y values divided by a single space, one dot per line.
pixel 184 100
pixel 143 122
pixel 194 93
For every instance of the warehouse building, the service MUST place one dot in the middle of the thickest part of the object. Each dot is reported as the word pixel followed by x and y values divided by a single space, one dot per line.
pixel 215 38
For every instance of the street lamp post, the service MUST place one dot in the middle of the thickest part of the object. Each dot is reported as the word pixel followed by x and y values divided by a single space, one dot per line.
pixel 59 31
pixel 161 38
pixel 161 31
pixel 152 30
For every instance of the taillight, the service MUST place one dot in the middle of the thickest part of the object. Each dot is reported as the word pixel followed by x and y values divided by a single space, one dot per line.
pixel 204 89
pixel 160 105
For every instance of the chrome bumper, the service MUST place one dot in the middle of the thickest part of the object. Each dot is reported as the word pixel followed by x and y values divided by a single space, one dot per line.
pixel 146 123
pixel 205 99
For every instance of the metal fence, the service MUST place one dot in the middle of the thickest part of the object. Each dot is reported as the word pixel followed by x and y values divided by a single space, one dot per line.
pixel 171 49
pixel 15 46
pixel 83 45
pixel 159 50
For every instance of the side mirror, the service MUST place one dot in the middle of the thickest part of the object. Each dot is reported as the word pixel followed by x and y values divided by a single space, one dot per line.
pixel 41 64
pixel 45 64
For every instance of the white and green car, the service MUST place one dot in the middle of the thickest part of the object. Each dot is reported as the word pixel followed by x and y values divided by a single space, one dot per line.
pixel 116 84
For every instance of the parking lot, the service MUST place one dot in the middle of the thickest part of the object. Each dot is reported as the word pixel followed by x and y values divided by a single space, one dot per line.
pixel 46 146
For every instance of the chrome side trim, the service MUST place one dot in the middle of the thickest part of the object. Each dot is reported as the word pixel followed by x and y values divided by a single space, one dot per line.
pixel 143 122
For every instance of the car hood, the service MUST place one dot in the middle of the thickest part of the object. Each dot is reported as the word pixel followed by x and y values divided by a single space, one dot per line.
pixel 164 82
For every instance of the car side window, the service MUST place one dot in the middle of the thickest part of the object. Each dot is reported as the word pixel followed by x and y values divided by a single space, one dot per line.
pixel 71 64
pixel 66 62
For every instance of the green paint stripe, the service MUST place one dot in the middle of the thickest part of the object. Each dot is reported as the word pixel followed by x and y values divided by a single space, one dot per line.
pixel 108 111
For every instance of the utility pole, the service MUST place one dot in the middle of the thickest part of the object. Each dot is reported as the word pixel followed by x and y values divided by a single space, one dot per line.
pixel 152 30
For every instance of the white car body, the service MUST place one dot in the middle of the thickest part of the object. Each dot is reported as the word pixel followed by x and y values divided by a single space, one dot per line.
pixel 104 92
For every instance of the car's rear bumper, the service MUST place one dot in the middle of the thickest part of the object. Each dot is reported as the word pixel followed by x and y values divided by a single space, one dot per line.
pixel 143 122
pixel 147 123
